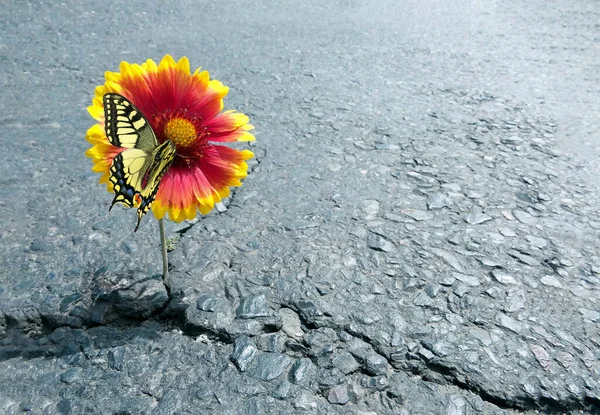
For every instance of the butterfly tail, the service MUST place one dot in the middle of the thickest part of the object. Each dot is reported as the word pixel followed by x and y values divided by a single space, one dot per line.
pixel 137 225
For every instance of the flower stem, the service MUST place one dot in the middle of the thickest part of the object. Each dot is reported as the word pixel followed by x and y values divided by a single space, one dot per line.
pixel 165 258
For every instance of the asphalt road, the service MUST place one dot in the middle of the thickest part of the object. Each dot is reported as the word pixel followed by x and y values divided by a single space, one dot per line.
pixel 418 233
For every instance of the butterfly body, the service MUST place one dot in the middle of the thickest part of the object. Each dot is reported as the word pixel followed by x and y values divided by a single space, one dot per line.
pixel 136 171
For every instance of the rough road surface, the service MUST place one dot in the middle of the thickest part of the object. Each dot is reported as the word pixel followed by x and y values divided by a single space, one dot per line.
pixel 419 233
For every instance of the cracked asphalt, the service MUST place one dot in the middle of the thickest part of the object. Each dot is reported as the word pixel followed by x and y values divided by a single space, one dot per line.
pixel 418 233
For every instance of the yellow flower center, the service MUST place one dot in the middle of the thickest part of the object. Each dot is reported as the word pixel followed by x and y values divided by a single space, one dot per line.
pixel 180 131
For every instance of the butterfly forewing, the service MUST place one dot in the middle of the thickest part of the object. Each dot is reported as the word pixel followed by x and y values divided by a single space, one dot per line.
pixel 125 124
pixel 135 172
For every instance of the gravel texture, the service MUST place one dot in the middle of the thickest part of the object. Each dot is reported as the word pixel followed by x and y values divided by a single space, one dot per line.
pixel 418 233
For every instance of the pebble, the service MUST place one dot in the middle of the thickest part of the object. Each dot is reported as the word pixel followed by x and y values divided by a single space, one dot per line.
pixel 416 214
pixel 541 355
pixel 302 371
pixel 370 209
pixel 270 366
pixel 456 405
pixel 460 289
pixel 508 322
pixel 536 241
pixel 283 390
pixel 436 201
pixel 508 232
pixel 527 197
pixel 243 353
pixel 588 314
pixel 503 277
pixel 477 218
pixel 291 323
pixel 515 300
pixel 71 376
pixel 252 306
pixel 525 217
pixel 449 257
pixel 523 258
pixel 452 187
pixel 551 281
pixel 206 302
pixel 345 362
pixel 338 395
pixel 376 365
pixel 470 280
pixel 379 243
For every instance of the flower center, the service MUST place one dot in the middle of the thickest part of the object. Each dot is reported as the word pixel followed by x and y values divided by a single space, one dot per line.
pixel 180 131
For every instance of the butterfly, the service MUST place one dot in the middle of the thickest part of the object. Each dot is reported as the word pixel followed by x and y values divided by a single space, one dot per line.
pixel 135 173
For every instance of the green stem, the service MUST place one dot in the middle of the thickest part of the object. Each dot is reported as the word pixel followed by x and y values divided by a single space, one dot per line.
pixel 165 258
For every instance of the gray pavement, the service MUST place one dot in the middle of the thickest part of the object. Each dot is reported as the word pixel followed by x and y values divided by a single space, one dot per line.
pixel 419 233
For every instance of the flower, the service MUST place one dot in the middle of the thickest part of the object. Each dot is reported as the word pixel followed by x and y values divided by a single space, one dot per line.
pixel 187 109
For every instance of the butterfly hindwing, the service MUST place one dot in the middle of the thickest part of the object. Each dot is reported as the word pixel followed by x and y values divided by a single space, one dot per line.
pixel 135 173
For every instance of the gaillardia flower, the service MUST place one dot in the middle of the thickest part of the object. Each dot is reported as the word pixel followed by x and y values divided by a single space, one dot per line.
pixel 186 109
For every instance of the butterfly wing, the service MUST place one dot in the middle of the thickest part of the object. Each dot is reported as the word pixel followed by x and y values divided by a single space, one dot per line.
pixel 135 172
pixel 161 159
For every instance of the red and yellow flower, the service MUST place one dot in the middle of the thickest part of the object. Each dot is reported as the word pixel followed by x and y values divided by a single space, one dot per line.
pixel 186 108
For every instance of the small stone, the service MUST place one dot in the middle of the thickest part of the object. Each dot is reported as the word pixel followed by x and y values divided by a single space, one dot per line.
pixel 263 280
pixel 588 314
pixel 515 300
pixel 206 302
pixel 541 355
pixel 477 218
pixel 503 277
pixel 71 376
pixel 270 366
pixel 447 281
pixel 470 280
pixel 345 362
pixel 302 371
pixel 370 209
pixel 116 357
pixel 418 215
pixel 423 300
pixel 580 292
pixel 308 310
pixel 456 405
pixel 244 352
pixel 432 290
pixel 536 242
pixel 496 292
pixel 376 365
pixel 508 232
pixel 255 305
pixel 551 281
pixel 512 140
pixel 523 258
pixel 291 323
pixel 565 359
pixel 426 354
pixel 436 201
pixel 421 179
pixel 527 197
pixel 461 289
pixel 338 395
pixel 525 217
pixel 452 187
pixel 283 390
pixel 379 243
pixel 508 322
pixel 449 257
pixel 306 401
pixel 489 262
